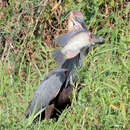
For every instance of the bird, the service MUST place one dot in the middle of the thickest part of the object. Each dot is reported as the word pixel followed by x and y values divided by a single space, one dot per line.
pixel 55 89
pixel 49 88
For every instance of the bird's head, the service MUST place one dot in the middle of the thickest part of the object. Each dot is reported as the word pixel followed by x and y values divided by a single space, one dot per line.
pixel 76 20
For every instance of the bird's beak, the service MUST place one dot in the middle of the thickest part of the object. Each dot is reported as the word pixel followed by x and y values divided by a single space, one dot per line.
pixel 96 39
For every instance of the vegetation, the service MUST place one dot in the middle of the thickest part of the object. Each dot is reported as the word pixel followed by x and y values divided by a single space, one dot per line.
pixel 27 33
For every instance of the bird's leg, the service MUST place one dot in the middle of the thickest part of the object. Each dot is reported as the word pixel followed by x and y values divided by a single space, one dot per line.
pixel 49 111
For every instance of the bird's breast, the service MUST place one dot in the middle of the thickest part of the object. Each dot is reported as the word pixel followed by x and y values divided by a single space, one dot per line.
pixel 77 42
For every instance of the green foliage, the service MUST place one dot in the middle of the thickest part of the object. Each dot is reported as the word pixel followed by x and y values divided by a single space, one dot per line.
pixel 26 58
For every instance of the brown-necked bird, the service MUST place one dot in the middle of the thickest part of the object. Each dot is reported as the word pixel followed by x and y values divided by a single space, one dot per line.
pixel 55 89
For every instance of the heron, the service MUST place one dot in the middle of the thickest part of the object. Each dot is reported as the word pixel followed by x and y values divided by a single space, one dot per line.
pixel 56 87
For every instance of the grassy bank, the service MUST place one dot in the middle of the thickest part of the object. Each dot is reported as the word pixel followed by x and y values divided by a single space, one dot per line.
pixel 27 33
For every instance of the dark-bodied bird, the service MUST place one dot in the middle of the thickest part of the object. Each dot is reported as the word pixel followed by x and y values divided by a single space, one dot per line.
pixel 55 89
pixel 51 86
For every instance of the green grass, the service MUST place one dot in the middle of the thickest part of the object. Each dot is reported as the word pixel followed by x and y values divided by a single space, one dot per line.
pixel 26 58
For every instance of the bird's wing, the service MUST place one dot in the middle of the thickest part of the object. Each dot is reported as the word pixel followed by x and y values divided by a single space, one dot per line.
pixel 46 91
pixel 54 71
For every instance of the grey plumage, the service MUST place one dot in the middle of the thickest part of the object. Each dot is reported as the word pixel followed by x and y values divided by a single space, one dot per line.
pixel 61 76
pixel 45 92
